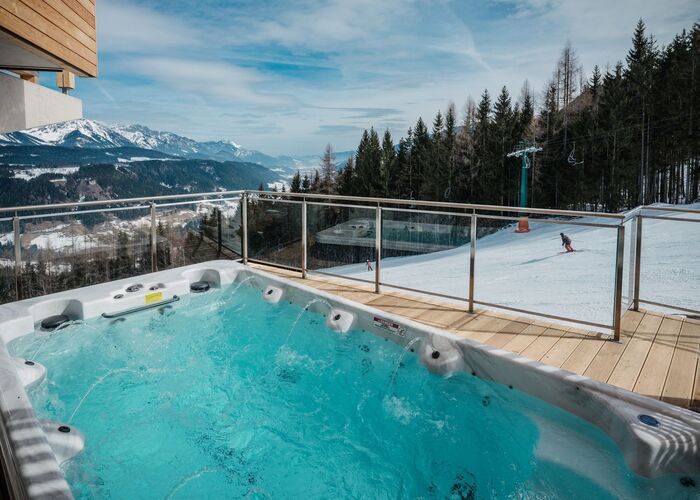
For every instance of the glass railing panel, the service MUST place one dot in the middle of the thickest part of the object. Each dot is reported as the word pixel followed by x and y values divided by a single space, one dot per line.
pixel 426 251
pixel 62 252
pixel 341 240
pixel 670 260
pixel 192 232
pixel 8 288
pixel 274 231
pixel 532 271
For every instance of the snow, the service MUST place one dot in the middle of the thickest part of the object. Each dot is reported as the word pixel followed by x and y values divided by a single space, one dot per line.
pixel 31 173
pixel 277 186
pixel 57 132
pixel 57 241
pixel 530 271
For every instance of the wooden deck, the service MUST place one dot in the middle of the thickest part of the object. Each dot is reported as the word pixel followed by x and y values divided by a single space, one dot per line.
pixel 657 355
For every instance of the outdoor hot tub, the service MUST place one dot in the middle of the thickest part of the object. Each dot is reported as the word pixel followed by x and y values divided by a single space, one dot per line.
pixel 219 380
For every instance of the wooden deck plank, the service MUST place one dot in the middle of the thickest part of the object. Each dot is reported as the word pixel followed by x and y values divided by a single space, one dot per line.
pixel 652 378
pixel 562 349
pixel 680 380
pixel 627 370
pixel 581 357
pixel 543 343
pixel 525 338
pixel 482 327
pixel 607 357
pixel 445 317
pixel 509 332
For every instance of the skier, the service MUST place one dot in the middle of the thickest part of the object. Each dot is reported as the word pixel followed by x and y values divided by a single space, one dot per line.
pixel 566 242
pixel 369 265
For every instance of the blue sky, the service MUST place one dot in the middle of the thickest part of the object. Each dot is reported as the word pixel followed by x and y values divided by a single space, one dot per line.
pixel 289 77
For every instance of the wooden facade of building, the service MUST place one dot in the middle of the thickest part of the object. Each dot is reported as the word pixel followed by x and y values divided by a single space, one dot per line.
pixel 48 35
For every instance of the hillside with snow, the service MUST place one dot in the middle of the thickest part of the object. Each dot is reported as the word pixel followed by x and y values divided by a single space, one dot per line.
pixel 531 271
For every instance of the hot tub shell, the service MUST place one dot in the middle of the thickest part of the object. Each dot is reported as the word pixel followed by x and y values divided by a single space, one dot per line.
pixel 671 447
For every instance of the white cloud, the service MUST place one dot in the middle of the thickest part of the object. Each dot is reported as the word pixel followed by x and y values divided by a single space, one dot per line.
pixel 219 80
pixel 127 27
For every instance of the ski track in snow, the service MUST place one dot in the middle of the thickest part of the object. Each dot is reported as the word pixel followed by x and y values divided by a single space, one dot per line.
pixel 531 271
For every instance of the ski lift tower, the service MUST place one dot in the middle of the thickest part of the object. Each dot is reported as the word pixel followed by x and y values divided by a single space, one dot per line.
pixel 522 151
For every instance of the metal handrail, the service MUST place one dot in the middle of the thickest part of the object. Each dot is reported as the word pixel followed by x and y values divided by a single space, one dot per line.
pixel 74 204
pixel 670 209
pixel 464 206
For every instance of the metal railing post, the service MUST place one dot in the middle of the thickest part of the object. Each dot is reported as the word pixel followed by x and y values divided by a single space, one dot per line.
pixel 304 228
pixel 472 259
pixel 244 228
pixel 619 264
pixel 154 253
pixel 219 233
pixel 377 249
pixel 17 239
pixel 637 262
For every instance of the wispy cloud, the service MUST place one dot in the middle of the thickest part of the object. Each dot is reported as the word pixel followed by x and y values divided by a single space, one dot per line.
pixel 218 80
pixel 125 27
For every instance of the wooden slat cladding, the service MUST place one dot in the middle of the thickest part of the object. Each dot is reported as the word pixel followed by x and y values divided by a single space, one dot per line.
pixel 63 31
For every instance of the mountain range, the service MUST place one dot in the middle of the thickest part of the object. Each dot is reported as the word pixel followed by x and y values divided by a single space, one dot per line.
pixel 84 134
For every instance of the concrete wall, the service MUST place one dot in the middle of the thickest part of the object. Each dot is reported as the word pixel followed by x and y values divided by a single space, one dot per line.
pixel 26 105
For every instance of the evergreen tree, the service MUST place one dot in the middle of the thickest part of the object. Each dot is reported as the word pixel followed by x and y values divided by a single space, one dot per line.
pixel 449 168
pixel 305 183
pixel 389 166
pixel 347 179
pixel 295 185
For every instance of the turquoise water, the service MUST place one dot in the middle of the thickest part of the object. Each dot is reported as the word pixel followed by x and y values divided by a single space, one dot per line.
pixel 213 397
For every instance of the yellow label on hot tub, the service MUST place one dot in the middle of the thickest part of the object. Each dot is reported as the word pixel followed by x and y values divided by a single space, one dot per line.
pixel 150 298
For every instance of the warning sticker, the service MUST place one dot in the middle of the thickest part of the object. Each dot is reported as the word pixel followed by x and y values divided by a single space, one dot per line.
pixel 150 298
pixel 390 326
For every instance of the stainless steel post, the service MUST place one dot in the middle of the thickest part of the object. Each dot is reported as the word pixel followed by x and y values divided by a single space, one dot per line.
pixel 377 248
pixel 637 262
pixel 154 263
pixel 472 259
pixel 18 255
pixel 303 239
pixel 219 233
pixel 619 264
pixel 244 228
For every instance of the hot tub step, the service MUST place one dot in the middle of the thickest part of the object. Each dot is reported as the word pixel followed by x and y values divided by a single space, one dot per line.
pixel 65 440
pixel 30 372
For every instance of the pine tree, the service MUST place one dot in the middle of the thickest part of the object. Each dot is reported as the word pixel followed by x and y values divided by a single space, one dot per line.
pixel 389 172
pixel 295 184
pixel 641 61
pixel 420 159
pixel 503 120
pixel 449 168
pixel 346 178
pixel 305 183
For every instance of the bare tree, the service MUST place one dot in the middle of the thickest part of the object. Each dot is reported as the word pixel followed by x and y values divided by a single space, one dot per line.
pixel 328 170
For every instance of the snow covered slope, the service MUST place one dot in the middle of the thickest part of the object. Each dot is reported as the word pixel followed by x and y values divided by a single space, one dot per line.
pixel 530 271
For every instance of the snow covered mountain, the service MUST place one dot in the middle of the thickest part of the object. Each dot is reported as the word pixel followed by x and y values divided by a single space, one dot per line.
pixel 74 133
pixel 84 133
